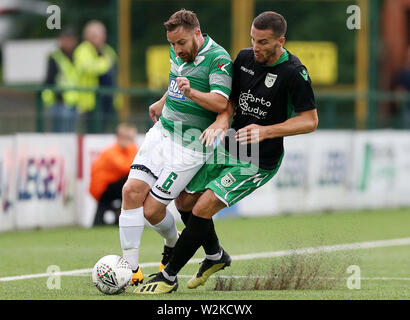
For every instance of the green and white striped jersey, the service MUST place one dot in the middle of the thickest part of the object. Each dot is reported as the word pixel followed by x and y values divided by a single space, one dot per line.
pixel 210 72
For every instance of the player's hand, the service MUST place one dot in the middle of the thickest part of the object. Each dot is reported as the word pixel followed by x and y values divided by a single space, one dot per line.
pixel 252 133
pixel 218 128
pixel 155 110
pixel 184 86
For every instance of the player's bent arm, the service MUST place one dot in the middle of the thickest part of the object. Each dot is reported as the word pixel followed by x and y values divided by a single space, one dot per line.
pixel 161 102
pixel 209 100
pixel 304 122
pixel 155 109
pixel 219 126
pixel 228 113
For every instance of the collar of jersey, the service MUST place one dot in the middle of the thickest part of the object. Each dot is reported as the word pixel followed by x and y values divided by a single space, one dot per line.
pixel 284 57
pixel 207 44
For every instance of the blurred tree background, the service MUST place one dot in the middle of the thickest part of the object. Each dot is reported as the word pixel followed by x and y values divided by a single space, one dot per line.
pixel 307 21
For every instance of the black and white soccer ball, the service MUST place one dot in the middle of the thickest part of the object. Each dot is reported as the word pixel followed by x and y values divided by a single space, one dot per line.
pixel 112 274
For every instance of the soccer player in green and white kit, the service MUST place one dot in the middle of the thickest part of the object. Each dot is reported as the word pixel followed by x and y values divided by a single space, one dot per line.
pixel 269 83
pixel 200 83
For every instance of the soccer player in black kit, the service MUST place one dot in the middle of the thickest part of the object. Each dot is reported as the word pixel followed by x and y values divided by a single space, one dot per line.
pixel 269 84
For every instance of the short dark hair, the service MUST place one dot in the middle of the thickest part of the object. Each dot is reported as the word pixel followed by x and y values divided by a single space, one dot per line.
pixel 273 21
pixel 182 18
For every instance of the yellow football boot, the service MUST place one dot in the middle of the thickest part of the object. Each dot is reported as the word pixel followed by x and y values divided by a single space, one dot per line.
pixel 157 285
pixel 208 268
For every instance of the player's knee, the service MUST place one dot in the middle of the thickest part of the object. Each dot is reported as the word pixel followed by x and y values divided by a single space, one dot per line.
pixel 185 202
pixel 134 193
pixel 200 210
pixel 207 206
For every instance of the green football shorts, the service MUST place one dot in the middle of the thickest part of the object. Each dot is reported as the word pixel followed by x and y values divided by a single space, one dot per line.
pixel 229 178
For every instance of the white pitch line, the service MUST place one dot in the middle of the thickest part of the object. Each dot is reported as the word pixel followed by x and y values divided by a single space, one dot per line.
pixel 250 256
pixel 64 273
pixel 386 278
pixel 187 276
pixel 266 277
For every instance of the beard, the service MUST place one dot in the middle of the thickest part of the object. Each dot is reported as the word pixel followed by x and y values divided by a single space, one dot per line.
pixel 191 55
pixel 265 58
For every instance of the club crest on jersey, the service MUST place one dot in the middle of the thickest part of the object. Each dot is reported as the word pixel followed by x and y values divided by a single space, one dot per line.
pixel 198 60
pixel 270 79
pixel 227 180
pixel 173 91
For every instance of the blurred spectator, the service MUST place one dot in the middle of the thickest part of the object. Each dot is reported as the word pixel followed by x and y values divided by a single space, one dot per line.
pixel 61 105
pixel 403 84
pixel 110 171
pixel 95 61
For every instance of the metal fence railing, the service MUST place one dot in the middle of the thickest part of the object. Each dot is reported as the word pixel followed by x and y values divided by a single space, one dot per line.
pixel 384 109
pixel 22 110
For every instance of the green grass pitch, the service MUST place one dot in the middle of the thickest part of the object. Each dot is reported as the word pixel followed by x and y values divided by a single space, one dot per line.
pixel 385 271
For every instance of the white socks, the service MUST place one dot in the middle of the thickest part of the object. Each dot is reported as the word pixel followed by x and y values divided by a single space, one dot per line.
pixel 131 223
pixel 167 229
pixel 167 276
pixel 215 256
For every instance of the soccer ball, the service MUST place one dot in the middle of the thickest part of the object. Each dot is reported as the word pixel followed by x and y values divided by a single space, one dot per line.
pixel 112 274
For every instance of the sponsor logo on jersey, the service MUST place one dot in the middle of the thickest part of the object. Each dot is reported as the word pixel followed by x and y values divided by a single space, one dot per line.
pixel 173 91
pixel 270 79
pixel 227 180
pixel 251 72
pixel 248 96
pixel 255 110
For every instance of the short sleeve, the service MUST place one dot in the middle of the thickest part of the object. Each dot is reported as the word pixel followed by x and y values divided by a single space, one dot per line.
pixel 220 75
pixel 301 91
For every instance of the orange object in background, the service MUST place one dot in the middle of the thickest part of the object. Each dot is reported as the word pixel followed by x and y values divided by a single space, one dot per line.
pixel 112 165
pixel 395 34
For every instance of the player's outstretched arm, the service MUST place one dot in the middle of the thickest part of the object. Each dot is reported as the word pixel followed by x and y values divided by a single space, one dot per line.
pixel 304 122
pixel 155 109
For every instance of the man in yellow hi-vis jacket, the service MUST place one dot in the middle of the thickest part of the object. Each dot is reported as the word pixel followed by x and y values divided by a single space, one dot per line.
pixel 61 73
pixel 95 62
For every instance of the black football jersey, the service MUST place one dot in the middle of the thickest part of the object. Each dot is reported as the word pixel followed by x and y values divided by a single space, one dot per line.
pixel 267 95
